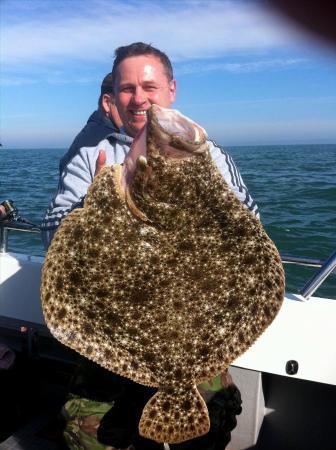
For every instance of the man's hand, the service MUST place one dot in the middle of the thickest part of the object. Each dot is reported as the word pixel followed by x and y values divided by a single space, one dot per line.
pixel 100 163
pixel 2 212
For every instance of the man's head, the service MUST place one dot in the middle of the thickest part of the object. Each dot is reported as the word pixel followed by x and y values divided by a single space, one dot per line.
pixel 141 75
pixel 106 100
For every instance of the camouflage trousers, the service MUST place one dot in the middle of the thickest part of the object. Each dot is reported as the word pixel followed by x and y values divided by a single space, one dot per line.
pixel 94 424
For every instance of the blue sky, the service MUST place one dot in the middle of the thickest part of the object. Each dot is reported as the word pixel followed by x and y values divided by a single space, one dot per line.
pixel 245 75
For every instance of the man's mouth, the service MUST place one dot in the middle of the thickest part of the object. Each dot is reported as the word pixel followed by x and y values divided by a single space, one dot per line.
pixel 140 112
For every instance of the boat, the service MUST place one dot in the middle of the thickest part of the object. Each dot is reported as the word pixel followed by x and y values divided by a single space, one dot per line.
pixel 287 378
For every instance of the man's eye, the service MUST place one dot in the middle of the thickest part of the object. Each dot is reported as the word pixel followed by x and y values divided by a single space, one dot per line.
pixel 126 89
pixel 150 88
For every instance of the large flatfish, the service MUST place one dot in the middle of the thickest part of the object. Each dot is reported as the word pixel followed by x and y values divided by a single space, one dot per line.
pixel 164 276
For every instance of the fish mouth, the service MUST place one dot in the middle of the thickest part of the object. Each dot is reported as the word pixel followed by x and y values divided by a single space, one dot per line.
pixel 180 135
pixel 177 136
pixel 167 139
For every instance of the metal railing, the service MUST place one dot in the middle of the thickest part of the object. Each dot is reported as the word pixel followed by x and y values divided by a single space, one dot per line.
pixel 7 225
pixel 326 267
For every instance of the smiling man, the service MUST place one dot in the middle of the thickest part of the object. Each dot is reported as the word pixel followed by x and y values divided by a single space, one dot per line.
pixel 139 81
pixel 141 75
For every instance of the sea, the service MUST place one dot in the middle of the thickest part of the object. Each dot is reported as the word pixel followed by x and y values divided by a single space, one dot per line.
pixel 293 185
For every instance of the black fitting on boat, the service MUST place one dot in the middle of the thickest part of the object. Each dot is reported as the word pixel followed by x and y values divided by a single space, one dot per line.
pixel 12 214
pixel 292 367
pixel 11 210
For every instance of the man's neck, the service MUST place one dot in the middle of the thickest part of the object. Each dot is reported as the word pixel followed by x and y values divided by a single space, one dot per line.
pixel 123 131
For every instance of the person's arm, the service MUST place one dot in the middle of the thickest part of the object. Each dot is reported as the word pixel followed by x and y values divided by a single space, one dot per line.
pixel 73 184
pixel 231 175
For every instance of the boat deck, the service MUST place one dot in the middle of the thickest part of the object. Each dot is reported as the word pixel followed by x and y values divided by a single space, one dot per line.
pixel 32 393
pixel 34 436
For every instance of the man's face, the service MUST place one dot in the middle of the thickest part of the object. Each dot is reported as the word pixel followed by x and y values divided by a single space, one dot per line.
pixel 140 82
pixel 109 107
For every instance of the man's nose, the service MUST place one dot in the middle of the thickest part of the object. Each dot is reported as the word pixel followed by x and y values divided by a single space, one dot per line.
pixel 139 96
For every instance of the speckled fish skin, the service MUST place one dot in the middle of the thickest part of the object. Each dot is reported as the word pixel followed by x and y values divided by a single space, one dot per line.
pixel 165 284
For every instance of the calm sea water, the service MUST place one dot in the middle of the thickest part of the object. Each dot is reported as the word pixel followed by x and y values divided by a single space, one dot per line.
pixel 294 186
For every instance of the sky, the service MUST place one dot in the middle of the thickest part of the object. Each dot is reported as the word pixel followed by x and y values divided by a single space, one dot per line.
pixel 243 73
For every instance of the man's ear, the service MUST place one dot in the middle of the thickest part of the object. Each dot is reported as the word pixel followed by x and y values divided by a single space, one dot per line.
pixel 172 88
pixel 105 102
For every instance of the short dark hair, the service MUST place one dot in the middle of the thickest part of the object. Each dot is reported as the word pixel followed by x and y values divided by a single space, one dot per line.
pixel 139 49
pixel 106 87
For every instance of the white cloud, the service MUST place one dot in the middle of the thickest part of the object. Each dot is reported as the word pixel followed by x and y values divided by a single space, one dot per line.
pixel 12 81
pixel 310 102
pixel 91 31
pixel 241 67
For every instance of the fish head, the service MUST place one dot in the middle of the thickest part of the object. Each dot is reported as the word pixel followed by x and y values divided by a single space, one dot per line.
pixel 173 136
pixel 156 168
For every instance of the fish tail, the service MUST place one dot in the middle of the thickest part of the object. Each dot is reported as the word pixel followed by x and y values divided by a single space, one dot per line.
pixel 174 417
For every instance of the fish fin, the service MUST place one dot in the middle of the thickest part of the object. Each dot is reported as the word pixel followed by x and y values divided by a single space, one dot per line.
pixel 133 208
pixel 175 417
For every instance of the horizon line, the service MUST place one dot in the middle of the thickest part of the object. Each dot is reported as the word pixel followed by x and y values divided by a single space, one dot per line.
pixel 305 144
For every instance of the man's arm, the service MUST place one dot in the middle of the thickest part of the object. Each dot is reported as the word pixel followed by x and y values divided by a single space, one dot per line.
pixel 231 175
pixel 73 184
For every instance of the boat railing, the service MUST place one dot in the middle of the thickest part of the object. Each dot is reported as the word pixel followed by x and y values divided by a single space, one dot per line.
pixel 325 267
pixel 14 225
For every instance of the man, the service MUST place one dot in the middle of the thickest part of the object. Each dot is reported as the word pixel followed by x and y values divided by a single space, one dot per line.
pixel 141 75
pixel 102 122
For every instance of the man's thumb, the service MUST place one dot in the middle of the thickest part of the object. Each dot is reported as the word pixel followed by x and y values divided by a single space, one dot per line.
pixel 101 161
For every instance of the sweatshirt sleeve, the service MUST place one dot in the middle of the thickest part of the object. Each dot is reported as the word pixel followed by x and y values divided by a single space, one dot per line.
pixel 76 177
pixel 231 175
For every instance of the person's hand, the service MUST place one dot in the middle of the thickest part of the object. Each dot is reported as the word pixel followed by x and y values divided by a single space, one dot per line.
pixel 2 212
pixel 226 380
pixel 101 161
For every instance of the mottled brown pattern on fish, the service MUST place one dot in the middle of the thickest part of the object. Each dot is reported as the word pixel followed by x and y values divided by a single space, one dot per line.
pixel 170 301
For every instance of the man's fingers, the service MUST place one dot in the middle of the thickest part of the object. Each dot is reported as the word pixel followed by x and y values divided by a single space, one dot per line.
pixel 101 161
